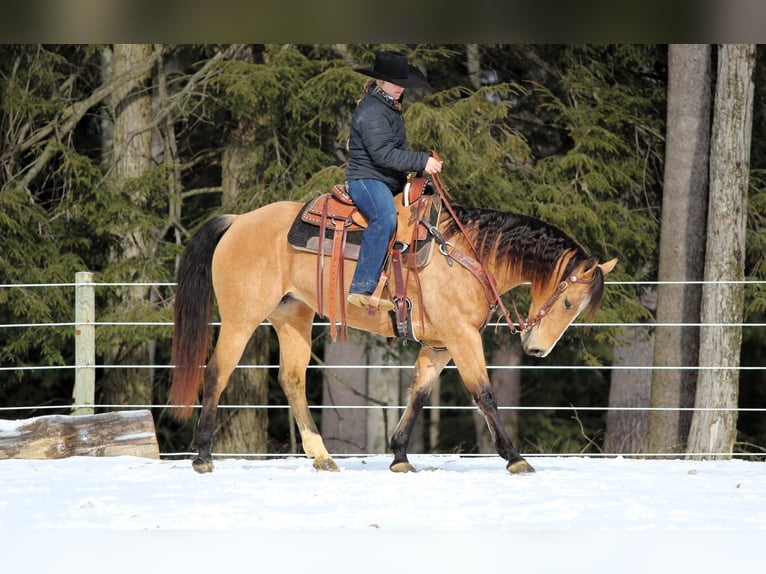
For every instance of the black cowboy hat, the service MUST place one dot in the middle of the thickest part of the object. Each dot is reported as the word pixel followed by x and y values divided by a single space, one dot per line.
pixel 392 66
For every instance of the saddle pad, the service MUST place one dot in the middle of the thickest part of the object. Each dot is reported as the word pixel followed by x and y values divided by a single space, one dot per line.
pixel 305 236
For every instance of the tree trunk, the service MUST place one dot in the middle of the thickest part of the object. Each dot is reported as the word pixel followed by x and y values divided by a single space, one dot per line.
pixel 473 65
pixel 242 430
pixel 714 431
pixel 626 430
pixel 132 158
pixel 383 389
pixel 367 429
pixel 345 430
pixel 681 258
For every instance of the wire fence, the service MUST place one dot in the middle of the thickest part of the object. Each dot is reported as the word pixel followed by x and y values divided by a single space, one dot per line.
pixel 84 403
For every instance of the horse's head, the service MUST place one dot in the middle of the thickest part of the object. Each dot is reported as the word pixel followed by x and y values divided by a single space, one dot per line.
pixel 555 306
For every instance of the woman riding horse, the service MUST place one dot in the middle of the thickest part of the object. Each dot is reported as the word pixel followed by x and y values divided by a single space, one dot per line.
pixel 245 263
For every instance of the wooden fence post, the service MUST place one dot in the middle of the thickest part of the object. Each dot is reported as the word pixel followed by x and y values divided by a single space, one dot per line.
pixel 85 344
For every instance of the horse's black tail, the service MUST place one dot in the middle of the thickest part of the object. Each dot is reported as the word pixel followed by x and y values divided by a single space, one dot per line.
pixel 193 310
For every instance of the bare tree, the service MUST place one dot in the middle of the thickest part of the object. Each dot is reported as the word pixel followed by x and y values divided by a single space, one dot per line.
pixel 131 158
pixel 714 423
pixel 684 202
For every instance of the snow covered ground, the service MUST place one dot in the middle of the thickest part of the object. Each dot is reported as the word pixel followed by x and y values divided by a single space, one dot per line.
pixel 127 514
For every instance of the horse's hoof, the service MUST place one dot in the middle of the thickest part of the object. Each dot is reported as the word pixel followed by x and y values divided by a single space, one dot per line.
pixel 520 466
pixel 202 466
pixel 402 467
pixel 326 463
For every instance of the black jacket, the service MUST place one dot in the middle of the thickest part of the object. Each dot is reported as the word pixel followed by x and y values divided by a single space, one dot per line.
pixel 377 145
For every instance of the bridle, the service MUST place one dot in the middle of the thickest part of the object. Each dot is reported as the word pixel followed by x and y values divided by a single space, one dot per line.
pixel 543 311
pixel 496 303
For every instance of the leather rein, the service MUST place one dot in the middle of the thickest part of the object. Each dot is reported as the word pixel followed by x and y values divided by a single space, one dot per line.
pixel 480 271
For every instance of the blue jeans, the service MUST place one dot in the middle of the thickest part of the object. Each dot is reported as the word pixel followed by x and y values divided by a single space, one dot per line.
pixel 376 202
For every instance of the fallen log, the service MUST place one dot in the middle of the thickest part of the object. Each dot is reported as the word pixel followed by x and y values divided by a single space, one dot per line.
pixel 122 433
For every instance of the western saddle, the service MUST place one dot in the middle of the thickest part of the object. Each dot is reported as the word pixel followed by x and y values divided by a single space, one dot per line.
pixel 331 226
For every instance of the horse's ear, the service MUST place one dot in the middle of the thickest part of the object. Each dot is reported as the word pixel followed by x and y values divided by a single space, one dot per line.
pixel 589 267
pixel 607 266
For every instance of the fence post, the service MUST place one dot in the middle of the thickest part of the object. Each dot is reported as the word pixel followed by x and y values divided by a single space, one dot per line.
pixel 84 344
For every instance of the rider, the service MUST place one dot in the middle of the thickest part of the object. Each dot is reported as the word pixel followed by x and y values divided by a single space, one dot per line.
pixel 378 164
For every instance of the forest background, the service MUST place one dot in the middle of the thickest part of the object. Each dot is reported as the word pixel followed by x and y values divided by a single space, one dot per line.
pixel 112 155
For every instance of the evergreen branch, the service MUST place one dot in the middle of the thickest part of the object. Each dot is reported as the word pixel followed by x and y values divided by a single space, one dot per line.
pixel 71 116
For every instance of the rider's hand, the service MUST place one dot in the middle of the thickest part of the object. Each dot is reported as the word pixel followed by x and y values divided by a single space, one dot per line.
pixel 433 166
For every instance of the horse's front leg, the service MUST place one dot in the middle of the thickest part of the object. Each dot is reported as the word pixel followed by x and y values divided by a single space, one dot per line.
pixel 469 359
pixel 485 400
pixel 429 364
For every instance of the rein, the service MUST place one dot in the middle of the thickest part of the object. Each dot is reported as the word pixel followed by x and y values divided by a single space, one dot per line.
pixel 485 277
pixel 497 302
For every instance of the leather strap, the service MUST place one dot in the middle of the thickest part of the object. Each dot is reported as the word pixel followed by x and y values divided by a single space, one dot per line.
pixel 337 282
pixel 476 269
pixel 421 209
pixel 400 298
pixel 320 261
pixel 336 278
pixel 495 300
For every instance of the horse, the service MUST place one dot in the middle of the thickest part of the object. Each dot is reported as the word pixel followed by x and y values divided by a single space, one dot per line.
pixel 245 264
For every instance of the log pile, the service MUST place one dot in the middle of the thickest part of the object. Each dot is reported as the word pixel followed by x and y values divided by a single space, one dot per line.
pixel 123 433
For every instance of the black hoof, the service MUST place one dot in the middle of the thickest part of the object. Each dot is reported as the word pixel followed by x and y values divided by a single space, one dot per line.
pixel 202 466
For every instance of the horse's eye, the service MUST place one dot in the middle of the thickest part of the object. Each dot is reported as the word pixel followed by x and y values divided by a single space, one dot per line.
pixel 567 303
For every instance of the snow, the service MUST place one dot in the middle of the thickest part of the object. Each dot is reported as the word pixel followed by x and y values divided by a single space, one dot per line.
pixel 602 514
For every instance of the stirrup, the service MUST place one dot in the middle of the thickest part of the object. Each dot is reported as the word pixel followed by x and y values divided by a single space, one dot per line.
pixel 369 302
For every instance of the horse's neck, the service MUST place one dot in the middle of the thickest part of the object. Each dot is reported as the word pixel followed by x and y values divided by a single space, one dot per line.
pixel 509 276
pixel 505 278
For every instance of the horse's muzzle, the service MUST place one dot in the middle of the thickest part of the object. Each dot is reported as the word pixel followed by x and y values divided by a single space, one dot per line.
pixel 530 346
pixel 535 352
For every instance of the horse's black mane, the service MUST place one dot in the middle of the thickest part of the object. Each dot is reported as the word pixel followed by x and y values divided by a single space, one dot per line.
pixel 521 242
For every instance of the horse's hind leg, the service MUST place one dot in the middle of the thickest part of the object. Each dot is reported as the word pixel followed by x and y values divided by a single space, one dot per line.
pixel 292 321
pixel 228 350
pixel 429 364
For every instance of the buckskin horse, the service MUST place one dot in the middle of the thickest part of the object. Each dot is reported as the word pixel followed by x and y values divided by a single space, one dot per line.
pixel 246 264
